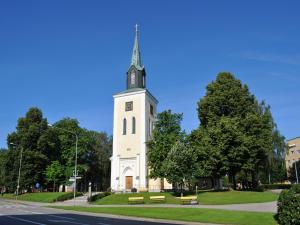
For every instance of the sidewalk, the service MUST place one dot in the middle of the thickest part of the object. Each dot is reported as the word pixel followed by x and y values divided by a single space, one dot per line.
pixel 82 201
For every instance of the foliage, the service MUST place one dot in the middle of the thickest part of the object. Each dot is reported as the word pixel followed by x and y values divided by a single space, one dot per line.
pixel 67 196
pixel 288 206
pixel 3 155
pixel 98 196
pixel 179 165
pixel 292 172
pixel 276 186
pixel 166 133
pixel 43 196
pixel 29 130
pixel 54 173
pixel 235 132
pixel 53 148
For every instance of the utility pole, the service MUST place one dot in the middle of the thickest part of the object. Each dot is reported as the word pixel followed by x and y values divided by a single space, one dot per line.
pixel 297 181
pixel 20 166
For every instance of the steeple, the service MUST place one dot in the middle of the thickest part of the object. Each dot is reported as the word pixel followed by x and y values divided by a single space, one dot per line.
pixel 136 75
pixel 136 55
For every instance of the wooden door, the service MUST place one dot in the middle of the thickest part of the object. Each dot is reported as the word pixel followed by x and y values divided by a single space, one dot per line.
pixel 128 182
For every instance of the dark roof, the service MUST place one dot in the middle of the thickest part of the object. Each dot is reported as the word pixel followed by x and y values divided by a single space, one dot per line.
pixel 293 138
pixel 134 90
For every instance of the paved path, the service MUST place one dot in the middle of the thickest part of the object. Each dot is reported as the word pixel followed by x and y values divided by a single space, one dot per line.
pixel 251 207
pixel 17 213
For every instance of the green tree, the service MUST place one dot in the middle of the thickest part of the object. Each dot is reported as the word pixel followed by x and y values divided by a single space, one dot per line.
pixel 55 173
pixel 29 130
pixel 292 175
pixel 3 159
pixel 235 130
pixel 166 133
pixel 179 165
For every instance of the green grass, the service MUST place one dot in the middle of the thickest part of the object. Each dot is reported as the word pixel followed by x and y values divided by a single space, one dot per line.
pixel 235 197
pixel 185 214
pixel 206 198
pixel 47 197
pixel 122 199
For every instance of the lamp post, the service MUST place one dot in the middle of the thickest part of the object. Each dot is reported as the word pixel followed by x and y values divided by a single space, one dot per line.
pixel 20 166
pixel 297 181
pixel 75 167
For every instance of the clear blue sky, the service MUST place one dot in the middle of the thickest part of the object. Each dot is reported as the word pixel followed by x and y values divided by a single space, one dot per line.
pixel 69 57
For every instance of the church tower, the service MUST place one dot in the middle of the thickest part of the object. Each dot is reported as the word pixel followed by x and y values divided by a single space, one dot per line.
pixel 134 115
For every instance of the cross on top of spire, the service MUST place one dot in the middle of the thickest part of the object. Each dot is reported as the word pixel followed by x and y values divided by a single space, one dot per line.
pixel 136 55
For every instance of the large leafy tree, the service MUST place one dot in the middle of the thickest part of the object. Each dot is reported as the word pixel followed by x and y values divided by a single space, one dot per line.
pixel 167 131
pixel 26 137
pixel 3 155
pixel 235 130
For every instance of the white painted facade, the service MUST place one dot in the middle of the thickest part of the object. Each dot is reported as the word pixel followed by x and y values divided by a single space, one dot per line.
pixel 129 150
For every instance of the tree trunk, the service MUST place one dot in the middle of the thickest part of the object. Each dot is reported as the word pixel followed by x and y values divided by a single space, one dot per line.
pixel 54 187
pixel 234 181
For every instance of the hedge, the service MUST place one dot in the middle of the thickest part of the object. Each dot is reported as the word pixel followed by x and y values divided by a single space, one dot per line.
pixel 67 196
pixel 289 206
pixel 276 186
pixel 98 196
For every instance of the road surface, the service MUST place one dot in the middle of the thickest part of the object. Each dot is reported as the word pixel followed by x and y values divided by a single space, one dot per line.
pixel 14 213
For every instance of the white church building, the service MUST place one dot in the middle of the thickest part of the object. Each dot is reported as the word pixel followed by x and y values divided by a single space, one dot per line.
pixel 134 117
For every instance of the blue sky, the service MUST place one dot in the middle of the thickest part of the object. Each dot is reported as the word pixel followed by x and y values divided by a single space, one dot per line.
pixel 69 57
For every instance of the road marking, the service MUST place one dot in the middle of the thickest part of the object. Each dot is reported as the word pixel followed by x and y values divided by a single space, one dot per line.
pixel 103 223
pixel 66 221
pixel 28 211
pixel 62 217
pixel 23 220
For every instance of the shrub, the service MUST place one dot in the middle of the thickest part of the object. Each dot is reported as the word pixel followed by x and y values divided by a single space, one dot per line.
pixel 288 206
pixel 67 196
pixel 260 188
pixel 133 190
pixel 276 186
pixel 98 196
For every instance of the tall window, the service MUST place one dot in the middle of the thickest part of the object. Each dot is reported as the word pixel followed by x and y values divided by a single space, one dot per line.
pixel 133 125
pixel 132 77
pixel 124 126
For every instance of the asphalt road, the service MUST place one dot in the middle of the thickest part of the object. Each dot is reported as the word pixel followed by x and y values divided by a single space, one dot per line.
pixel 27 214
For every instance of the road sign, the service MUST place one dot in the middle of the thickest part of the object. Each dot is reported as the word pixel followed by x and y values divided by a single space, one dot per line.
pixel 72 179
pixel 37 185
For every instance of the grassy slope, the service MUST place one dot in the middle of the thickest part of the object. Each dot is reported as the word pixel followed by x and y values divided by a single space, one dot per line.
pixel 36 197
pixel 186 214
pixel 235 197
pixel 122 199
pixel 213 198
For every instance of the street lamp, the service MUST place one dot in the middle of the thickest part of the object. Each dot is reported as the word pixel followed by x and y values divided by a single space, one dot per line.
pixel 20 165
pixel 296 172
pixel 76 143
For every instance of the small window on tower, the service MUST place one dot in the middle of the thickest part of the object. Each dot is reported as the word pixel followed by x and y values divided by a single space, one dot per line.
pixel 151 110
pixel 132 77
pixel 128 106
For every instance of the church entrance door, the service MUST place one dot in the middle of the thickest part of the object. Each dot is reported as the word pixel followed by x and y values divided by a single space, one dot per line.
pixel 128 182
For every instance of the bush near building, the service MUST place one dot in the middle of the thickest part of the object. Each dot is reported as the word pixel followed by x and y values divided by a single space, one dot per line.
pixel 289 206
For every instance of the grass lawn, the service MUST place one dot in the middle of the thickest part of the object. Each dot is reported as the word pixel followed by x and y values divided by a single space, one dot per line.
pixel 205 197
pixel 37 197
pixel 122 199
pixel 235 197
pixel 185 214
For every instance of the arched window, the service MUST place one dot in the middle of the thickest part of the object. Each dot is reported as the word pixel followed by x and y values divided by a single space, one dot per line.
pixel 133 125
pixel 124 126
